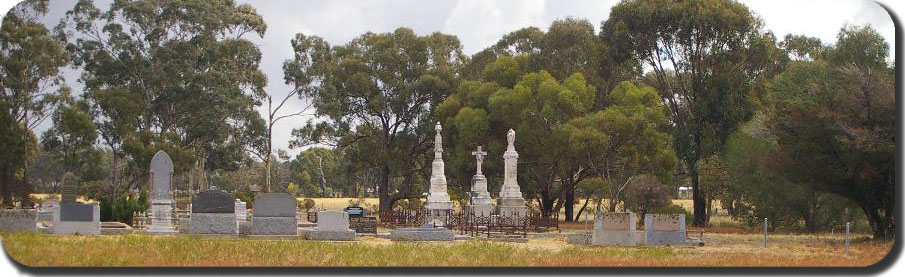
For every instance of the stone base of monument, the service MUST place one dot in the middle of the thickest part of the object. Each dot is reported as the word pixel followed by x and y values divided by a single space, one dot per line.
pixel 18 220
pixel 614 237
pixel 76 218
pixel 330 235
pixel 244 227
pixel 214 223
pixel 512 210
pixel 422 234
pixel 115 228
pixel 580 237
pixel 274 226
pixel 479 210
pixel 665 229
pixel 184 225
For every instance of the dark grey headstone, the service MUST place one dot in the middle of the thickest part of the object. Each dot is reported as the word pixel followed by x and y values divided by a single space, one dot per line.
pixel 213 201
pixel 161 174
pixel 70 188
pixel 274 205
pixel 76 212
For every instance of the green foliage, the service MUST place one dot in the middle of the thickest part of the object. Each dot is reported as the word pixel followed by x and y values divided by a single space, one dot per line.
pixel 623 141
pixel 178 76
pixel 377 95
pixel 834 123
pixel 124 208
pixel 707 58
pixel 247 197
pixel 647 193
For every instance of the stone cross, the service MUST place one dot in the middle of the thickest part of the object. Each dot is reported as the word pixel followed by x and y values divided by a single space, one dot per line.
pixel 480 157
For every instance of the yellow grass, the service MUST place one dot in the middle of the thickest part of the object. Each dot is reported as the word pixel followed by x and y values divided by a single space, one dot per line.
pixel 144 250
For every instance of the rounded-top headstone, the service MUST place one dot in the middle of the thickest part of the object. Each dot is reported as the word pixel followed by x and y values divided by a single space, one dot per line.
pixel 70 188
pixel 161 174
pixel 274 205
pixel 213 201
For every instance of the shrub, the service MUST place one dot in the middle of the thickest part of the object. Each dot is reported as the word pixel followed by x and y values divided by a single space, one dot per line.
pixel 307 204
pixel 247 197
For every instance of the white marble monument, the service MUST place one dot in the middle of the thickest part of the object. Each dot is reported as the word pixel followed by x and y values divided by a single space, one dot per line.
pixel 511 201
pixel 480 198
pixel 438 203
pixel 161 194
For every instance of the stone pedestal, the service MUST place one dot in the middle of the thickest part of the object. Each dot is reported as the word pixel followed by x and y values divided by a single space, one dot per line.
pixel 241 210
pixel 162 218
pixel 422 234
pixel 214 223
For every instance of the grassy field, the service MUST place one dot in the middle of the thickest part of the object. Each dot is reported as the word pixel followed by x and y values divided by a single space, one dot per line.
pixel 145 250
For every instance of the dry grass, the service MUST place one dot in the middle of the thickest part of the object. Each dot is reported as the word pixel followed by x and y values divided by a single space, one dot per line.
pixel 144 250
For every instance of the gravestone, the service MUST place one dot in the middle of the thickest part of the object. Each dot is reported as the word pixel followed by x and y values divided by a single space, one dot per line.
pixel 511 202
pixel 77 218
pixel 438 203
pixel 45 210
pixel 331 225
pixel 665 229
pixel 241 210
pixel 423 233
pixel 615 229
pixel 214 212
pixel 70 189
pixel 480 198
pixel 274 214
pixel 18 220
pixel 161 176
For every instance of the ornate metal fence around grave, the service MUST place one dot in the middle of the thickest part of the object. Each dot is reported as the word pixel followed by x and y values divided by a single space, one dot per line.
pixel 469 223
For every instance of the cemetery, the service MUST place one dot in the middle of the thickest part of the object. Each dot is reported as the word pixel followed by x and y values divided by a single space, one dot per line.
pixel 657 134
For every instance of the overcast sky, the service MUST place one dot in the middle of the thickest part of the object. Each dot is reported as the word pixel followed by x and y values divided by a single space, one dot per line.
pixel 480 23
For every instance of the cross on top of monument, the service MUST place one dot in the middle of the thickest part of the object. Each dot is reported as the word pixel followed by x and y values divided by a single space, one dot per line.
pixel 480 156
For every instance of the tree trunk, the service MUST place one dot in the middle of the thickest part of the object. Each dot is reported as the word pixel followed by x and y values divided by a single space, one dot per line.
pixel 5 184
pixel 383 194
pixel 570 201
pixel 578 216
pixel 700 202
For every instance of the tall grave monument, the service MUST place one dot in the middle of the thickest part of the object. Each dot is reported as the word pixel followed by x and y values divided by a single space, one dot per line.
pixel 480 197
pixel 161 174
pixel 438 203
pixel 71 217
pixel 511 201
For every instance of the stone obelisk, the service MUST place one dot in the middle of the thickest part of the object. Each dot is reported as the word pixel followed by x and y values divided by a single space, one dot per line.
pixel 511 201
pixel 480 198
pixel 438 203
pixel 161 175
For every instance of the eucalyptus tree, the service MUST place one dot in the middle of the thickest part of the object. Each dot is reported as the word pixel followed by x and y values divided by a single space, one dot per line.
pixel 30 58
pixel 377 94
pixel 179 76
pixel 706 57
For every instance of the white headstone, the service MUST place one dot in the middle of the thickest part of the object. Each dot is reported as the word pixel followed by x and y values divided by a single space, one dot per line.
pixel 332 221
pixel 511 200
pixel 161 174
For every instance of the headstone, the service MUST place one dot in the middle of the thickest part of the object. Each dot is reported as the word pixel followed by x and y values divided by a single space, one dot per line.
pixel 18 220
pixel 331 225
pixel 423 233
pixel 161 174
pixel 480 202
pixel 438 203
pixel 77 218
pixel 615 229
pixel 511 202
pixel 665 229
pixel 241 210
pixel 275 214
pixel 214 212
pixel 70 188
